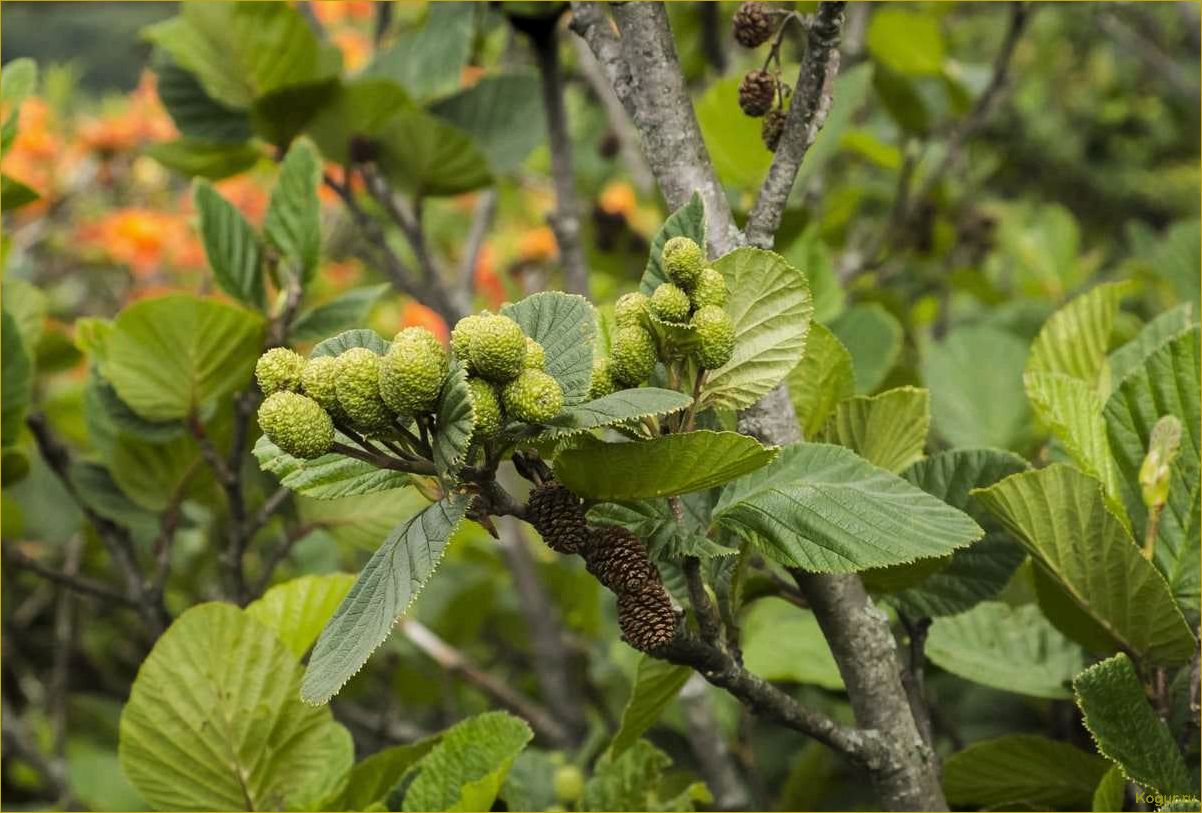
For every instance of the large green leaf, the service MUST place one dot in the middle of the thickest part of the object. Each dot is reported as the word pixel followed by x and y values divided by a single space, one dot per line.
pixel 297 610
pixel 1166 382
pixel 214 722
pixel 362 520
pixel 281 115
pixel 733 142
pixel 14 194
pixel 564 324
pixel 661 467
pixel 359 337
pixel 1014 649
pixel 888 430
pixel 1131 356
pixel 359 107
pixel 783 642
pixel 381 594
pixel 196 114
pixel 666 536
pixel 426 61
pixel 1022 771
pixel 1075 339
pixel 425 155
pixel 656 684
pixel 770 306
pixel 205 159
pixel 167 356
pixel 467 767
pixel 1061 517
pixel 503 114
pixel 1127 729
pixel 633 781
pixel 18 80
pixel 823 508
pixel 906 41
pixel 373 777
pixel 329 477
pixel 824 377
pixel 975 378
pixel 874 338
pixel 618 407
pixel 456 420
pixel 687 221
pixel 231 246
pixel 154 474
pixel 293 220
pixel 16 379
pixel 340 313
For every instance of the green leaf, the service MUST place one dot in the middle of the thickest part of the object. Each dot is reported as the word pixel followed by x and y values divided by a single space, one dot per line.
pixel 467 767
pixel 27 304
pixel 204 159
pixel 666 536
pixel 16 380
pixel 100 492
pixel 281 115
pixel 824 509
pixel 359 107
pixel 381 594
pixel 503 114
pixel 361 337
pixel 231 245
pixel 1127 730
pixel 1131 356
pixel 329 477
pixel 906 41
pixel 293 220
pixel 784 642
pixel 373 777
pixel 1022 770
pixel 1075 339
pixel 1061 518
pixel 687 221
pixel 824 377
pixel 346 309
pixel 297 610
pixel 661 467
pixel 874 338
pixel 1014 649
pixel 852 87
pixel 980 571
pixel 1111 791
pixel 888 430
pixel 975 378
pixel 213 720
pixel 656 684
pixel 734 142
pixel 1166 382
pixel 427 156
pixel 197 115
pixel 14 194
pixel 771 308
pixel 167 356
pixel 18 80
pixel 456 420
pixel 564 324
pixel 427 61
pixel 362 520
pixel 631 782
pixel 617 407
pixel 154 474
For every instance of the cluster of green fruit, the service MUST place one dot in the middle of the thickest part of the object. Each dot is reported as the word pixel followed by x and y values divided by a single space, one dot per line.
pixel 695 296
pixel 375 395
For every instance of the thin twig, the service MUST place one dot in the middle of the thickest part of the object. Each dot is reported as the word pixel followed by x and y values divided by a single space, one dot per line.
pixel 398 272
pixel 482 219
pixel 80 584
pixel 708 621
pixel 65 630
pixel 914 674
pixel 386 462
pixel 280 552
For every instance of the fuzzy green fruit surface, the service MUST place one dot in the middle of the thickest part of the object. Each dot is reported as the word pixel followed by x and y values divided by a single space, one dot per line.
pixel 412 371
pixel 319 381
pixel 629 309
pixel 536 356
pixel 682 260
pixel 278 370
pixel 533 397
pixel 716 337
pixel 602 381
pixel 298 425
pixel 462 335
pixel 497 348
pixel 568 783
pixel 486 409
pixel 358 387
pixel 710 290
pixel 632 357
pixel 670 303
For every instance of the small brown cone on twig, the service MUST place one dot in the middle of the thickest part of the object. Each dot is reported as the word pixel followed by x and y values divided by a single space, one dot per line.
pixel 752 25
pixel 757 92
pixel 646 617
pixel 618 560
pixel 558 515
pixel 772 129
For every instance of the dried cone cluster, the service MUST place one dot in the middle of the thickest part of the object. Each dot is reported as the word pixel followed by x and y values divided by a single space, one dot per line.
pixel 760 92
pixel 617 559
pixel 752 25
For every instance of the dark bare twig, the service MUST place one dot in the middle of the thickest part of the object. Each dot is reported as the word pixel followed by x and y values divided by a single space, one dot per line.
pixel 80 584
pixel 914 675
pixel 65 631
pixel 398 272
pixel 19 739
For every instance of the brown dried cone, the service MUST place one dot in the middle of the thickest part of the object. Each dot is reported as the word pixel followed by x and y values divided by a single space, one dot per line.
pixel 772 129
pixel 646 617
pixel 618 560
pixel 752 25
pixel 558 516
pixel 757 92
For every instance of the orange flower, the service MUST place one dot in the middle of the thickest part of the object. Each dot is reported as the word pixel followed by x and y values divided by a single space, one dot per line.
pixel 355 47
pixel 538 245
pixel 488 283
pixel 617 198
pixel 339 11
pixel 246 193
pixel 109 136
pixel 144 239
pixel 415 314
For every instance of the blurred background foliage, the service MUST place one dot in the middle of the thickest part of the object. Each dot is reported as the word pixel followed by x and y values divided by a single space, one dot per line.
pixel 1087 171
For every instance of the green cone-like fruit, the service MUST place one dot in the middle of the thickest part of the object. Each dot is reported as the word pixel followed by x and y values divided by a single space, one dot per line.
pixel 298 425
pixel 486 407
pixel 568 783
pixel 682 260
pixel 710 289
pixel 536 356
pixel 412 371
pixel 358 387
pixel 632 357
pixel 602 382
pixel 279 369
pixel 319 381
pixel 716 335
pixel 533 396
pixel 629 309
pixel 497 348
pixel 463 333
pixel 670 303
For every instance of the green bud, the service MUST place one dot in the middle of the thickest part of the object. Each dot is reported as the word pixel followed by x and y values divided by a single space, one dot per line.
pixel 298 425
pixel 536 356
pixel 497 348
pixel 568 783
pixel 412 371
pixel 710 290
pixel 602 382
pixel 358 387
pixel 670 303
pixel 486 409
pixel 279 369
pixel 462 334
pixel 533 397
pixel 716 337
pixel 629 309
pixel 682 260
pixel 632 357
